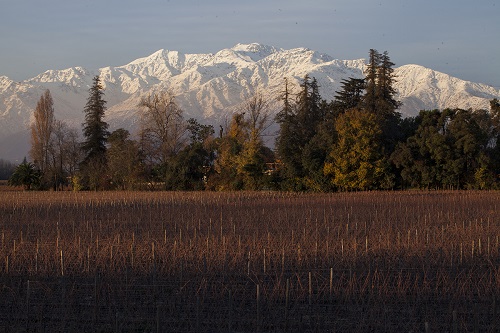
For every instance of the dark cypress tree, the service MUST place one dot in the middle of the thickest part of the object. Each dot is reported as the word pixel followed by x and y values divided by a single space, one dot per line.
pixel 299 124
pixel 288 140
pixel 380 94
pixel 386 104
pixel 95 131
pixel 349 96
pixel 369 100
pixel 309 111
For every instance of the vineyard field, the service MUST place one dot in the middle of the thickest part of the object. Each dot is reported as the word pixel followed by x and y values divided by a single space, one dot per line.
pixel 411 261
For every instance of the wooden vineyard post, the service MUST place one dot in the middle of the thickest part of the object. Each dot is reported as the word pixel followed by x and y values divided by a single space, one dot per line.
pixel 28 306
pixel 248 264
pixel 230 317
pixel 258 308
pixel 461 253
pixel 157 318
pixel 116 321
pixel 287 302
pixel 455 322
pixel 62 263
pixel 476 319
pixel 494 322
pixel 36 257
pixel 472 250
pixel 96 301
pixel 310 301
pixel 310 289
pixel 264 261
pixel 331 284
pixel 197 325
pixel 282 260
pixel 88 259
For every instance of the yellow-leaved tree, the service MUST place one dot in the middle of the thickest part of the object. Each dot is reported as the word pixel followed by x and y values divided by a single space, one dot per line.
pixel 356 161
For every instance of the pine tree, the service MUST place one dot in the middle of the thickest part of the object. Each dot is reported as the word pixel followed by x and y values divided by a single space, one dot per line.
pixel 349 96
pixel 387 105
pixel 288 140
pixel 309 113
pixel 299 124
pixel 95 131
pixel 369 100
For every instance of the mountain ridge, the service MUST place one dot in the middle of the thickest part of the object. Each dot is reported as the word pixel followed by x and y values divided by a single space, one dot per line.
pixel 211 86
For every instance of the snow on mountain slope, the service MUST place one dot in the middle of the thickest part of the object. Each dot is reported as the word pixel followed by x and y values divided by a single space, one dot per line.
pixel 423 88
pixel 212 86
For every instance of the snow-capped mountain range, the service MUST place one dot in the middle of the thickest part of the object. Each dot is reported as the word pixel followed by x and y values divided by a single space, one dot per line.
pixel 210 87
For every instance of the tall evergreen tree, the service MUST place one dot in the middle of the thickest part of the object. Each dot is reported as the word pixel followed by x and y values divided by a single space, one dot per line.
pixel 288 139
pixel 369 101
pixel 386 104
pixel 380 94
pixel 309 113
pixel 350 95
pixel 299 123
pixel 95 131
pixel 379 99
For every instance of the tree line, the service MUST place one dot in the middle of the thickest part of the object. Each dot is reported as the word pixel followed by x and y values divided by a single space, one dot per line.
pixel 358 141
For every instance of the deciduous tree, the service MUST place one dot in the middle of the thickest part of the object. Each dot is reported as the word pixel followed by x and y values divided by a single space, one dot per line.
pixel 41 131
pixel 162 128
pixel 124 162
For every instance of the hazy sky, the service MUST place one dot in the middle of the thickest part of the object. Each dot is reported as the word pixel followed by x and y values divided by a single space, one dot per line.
pixel 458 37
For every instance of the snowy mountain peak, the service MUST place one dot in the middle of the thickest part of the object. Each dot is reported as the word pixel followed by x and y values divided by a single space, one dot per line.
pixel 254 51
pixel 210 87
pixel 74 77
pixel 5 82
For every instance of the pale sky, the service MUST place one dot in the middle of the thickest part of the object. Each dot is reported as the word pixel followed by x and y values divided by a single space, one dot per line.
pixel 457 37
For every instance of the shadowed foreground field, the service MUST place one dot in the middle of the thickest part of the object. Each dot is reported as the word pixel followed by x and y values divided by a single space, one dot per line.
pixel 249 262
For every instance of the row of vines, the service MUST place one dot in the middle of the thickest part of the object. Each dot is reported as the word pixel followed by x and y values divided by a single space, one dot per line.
pixel 249 262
